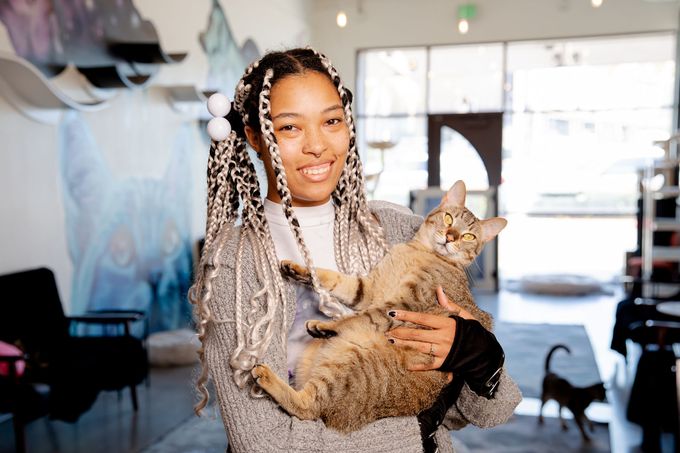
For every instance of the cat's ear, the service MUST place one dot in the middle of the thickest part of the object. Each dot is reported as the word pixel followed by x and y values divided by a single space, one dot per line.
pixel 491 227
pixel 456 195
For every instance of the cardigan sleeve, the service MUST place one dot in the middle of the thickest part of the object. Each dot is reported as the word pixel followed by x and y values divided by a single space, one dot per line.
pixel 258 424
pixel 482 412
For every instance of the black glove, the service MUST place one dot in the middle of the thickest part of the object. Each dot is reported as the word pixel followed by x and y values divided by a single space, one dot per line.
pixel 430 419
pixel 476 356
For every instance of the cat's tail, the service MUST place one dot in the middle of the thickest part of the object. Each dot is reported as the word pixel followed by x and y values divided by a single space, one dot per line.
pixel 549 356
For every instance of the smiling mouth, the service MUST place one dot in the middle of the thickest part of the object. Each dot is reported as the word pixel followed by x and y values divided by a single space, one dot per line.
pixel 317 170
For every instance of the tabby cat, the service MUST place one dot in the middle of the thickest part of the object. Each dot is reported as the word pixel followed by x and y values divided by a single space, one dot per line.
pixel 350 375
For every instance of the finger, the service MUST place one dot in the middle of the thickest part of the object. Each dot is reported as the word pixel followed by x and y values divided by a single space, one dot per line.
pixel 424 336
pixel 444 301
pixel 438 351
pixel 451 306
pixel 419 346
pixel 422 319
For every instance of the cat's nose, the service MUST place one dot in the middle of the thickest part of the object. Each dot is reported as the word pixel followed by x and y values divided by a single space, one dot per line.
pixel 449 237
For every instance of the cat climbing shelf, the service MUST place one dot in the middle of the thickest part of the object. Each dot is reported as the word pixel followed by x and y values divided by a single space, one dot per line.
pixel 659 184
pixel 189 100
pixel 37 97
pixel 135 63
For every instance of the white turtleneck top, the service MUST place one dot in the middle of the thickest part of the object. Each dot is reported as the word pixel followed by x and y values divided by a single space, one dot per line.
pixel 316 224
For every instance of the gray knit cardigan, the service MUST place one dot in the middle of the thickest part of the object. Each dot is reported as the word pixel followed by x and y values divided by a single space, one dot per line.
pixel 259 425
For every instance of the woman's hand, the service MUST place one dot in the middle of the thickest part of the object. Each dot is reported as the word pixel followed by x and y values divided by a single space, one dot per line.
pixel 436 339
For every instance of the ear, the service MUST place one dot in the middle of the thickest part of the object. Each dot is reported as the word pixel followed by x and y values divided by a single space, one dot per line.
pixel 491 227
pixel 254 139
pixel 456 195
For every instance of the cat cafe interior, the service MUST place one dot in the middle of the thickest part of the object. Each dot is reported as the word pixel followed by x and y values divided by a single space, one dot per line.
pixel 559 115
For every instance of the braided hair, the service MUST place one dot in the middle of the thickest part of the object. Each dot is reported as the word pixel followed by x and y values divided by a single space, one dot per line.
pixel 359 241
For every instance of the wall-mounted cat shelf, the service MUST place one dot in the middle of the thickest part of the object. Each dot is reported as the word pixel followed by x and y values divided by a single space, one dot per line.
pixel 117 76
pixel 36 96
pixel 189 100
pixel 144 52
pixel 138 64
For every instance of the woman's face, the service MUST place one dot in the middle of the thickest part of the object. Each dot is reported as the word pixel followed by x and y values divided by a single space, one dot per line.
pixel 312 135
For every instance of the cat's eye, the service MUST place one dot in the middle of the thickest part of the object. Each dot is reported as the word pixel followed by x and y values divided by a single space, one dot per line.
pixel 448 219
pixel 469 237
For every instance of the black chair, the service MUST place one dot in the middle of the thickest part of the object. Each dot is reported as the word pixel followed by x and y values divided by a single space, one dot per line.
pixel 74 368
pixel 653 401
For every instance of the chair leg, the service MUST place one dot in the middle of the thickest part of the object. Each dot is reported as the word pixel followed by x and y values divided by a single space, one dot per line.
pixel 133 395
pixel 19 436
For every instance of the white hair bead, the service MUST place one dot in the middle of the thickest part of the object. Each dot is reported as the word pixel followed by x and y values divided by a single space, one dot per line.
pixel 218 105
pixel 219 129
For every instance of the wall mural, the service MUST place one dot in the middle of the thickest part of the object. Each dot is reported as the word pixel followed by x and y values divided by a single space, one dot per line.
pixel 226 60
pixel 128 238
pixel 107 40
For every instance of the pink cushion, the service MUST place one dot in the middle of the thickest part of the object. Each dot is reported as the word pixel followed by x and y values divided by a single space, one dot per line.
pixel 9 350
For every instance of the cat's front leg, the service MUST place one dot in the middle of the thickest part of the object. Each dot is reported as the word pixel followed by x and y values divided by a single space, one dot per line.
pixel 350 290
pixel 301 404
pixel 579 419
pixel 296 272
pixel 321 329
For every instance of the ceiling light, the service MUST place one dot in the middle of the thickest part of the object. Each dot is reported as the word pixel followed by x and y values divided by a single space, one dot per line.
pixel 465 14
pixel 341 19
pixel 596 3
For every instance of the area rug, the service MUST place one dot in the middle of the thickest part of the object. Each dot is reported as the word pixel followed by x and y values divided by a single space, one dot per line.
pixel 526 346
pixel 523 435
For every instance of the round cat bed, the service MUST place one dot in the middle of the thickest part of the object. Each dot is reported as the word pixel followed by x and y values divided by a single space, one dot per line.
pixel 173 348
pixel 559 285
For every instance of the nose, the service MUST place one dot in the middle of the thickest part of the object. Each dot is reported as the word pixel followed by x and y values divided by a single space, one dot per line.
pixel 315 143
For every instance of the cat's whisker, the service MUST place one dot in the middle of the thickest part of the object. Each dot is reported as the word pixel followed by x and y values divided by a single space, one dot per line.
pixel 470 277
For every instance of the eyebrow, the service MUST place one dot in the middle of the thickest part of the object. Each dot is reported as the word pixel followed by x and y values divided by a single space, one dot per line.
pixel 297 115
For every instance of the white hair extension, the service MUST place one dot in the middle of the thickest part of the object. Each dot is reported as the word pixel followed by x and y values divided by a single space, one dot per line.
pixel 373 242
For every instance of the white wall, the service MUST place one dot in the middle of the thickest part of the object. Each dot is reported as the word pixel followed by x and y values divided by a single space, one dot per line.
pixel 393 23
pixel 134 132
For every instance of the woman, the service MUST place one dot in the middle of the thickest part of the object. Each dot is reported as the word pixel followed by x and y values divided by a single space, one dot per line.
pixel 292 108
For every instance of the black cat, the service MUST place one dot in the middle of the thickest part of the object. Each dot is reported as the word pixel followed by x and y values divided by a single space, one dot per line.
pixel 576 399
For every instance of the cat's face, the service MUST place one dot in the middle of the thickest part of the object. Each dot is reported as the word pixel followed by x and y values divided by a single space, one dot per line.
pixel 454 232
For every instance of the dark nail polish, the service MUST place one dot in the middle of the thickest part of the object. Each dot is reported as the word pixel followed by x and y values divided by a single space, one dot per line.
pixel 392 313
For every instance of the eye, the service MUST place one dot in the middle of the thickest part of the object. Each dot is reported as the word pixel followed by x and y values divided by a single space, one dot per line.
pixel 288 127
pixel 469 237
pixel 448 219
pixel 333 122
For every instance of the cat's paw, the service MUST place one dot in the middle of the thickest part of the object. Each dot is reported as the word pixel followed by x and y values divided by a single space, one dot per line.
pixel 317 329
pixel 263 375
pixel 295 272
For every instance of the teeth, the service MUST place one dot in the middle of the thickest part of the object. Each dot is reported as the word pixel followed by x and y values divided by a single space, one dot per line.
pixel 316 171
